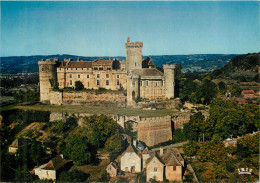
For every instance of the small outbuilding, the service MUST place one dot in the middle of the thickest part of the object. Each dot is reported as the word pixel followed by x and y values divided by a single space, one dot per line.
pixel 112 169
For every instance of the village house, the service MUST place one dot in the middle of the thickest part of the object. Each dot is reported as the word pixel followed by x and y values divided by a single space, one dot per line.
pixel 248 94
pixel 130 160
pixel 112 169
pixel 18 143
pixel 168 163
pixel 52 169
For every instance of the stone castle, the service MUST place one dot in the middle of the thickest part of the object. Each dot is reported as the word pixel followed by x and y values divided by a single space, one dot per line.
pixel 137 75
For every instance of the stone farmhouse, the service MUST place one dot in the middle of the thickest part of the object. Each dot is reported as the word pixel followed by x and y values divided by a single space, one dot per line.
pixel 52 169
pixel 165 164
pixel 137 75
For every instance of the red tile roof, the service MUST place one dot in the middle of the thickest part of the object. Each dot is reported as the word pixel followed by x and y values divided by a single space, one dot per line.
pixel 76 64
pixel 247 92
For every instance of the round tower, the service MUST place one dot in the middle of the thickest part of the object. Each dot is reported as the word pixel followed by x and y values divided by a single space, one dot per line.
pixel 134 56
pixel 169 83
pixel 47 78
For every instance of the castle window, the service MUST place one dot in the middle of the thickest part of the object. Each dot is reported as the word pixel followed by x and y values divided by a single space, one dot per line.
pixel 141 83
pixel 70 68
pixel 67 69
pixel 155 169
pixel 133 83
pixel 79 76
pixel 161 83
pixel 70 75
pixel 100 68
pixel 174 168
pixel 87 76
pixel 107 75
pixel 42 69
pixel 117 82
pixel 82 68
pixel 135 64
pixel 117 76
pixel 173 83
pixel 76 68
pixel 155 83
pixel 88 84
pixel 107 82
pixel 70 82
pixel 108 68
pixel 60 69
pixel 97 75
pixel 146 83
pixel 98 82
pixel 95 68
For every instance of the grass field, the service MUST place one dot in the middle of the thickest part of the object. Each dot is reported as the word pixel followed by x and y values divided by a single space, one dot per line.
pixel 96 110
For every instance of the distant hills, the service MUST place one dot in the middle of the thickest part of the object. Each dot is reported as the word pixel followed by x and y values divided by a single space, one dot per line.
pixel 190 63
pixel 242 67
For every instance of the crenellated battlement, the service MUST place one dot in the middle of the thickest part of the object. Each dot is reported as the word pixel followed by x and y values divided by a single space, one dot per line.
pixel 134 45
pixel 48 61
pixel 168 66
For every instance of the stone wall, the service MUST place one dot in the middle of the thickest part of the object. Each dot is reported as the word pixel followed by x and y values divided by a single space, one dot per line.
pixel 156 130
pixel 169 104
pixel 88 98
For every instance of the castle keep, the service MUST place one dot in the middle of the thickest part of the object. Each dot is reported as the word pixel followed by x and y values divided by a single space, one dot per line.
pixel 137 75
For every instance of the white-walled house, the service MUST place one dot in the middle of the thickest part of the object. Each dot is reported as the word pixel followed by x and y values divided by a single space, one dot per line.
pixel 130 160
pixel 51 169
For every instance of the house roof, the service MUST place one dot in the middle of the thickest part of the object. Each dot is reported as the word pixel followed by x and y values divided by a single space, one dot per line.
pixel 247 92
pixel 129 149
pixel 76 64
pixel 103 62
pixel 19 142
pixel 170 157
pixel 147 72
pixel 55 163
pixel 112 164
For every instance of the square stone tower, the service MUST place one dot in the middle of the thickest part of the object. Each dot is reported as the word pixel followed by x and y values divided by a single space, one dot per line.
pixel 134 56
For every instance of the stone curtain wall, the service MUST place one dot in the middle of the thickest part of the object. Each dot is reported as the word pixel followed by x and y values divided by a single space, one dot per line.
pixel 153 131
pixel 88 98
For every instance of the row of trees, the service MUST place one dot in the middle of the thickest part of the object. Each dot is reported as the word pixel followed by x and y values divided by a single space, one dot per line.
pixel 29 96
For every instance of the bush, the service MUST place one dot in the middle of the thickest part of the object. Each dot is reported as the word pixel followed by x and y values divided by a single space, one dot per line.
pixel 79 85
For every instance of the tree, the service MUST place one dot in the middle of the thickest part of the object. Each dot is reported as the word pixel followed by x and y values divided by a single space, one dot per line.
pixel 23 175
pixel 36 152
pixel 235 90
pixel 73 176
pixel 79 149
pixel 79 85
pixel 114 143
pixel 191 148
pixel 104 177
pixel 194 127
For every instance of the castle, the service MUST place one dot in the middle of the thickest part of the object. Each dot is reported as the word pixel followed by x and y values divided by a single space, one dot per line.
pixel 137 75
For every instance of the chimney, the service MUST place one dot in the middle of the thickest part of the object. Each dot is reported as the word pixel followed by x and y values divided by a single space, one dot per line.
pixel 161 151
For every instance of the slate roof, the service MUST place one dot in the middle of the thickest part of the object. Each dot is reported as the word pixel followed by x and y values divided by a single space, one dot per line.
pixel 19 142
pixel 147 62
pixel 76 64
pixel 170 157
pixel 129 149
pixel 147 72
pixel 113 165
pixel 54 164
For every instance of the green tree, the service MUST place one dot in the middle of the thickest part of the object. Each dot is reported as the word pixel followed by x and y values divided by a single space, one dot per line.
pixel 194 127
pixel 73 176
pixel 235 90
pixel 23 175
pixel 36 152
pixel 191 148
pixel 104 177
pixel 79 149
pixel 79 85
pixel 114 143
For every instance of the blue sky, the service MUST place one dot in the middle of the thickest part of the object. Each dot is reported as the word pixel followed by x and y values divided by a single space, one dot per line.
pixel 101 28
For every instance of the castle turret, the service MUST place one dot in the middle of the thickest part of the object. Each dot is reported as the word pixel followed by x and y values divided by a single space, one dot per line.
pixel 48 78
pixel 134 55
pixel 169 84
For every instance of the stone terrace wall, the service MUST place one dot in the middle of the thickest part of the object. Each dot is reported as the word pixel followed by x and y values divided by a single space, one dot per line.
pixel 153 131
pixel 88 98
